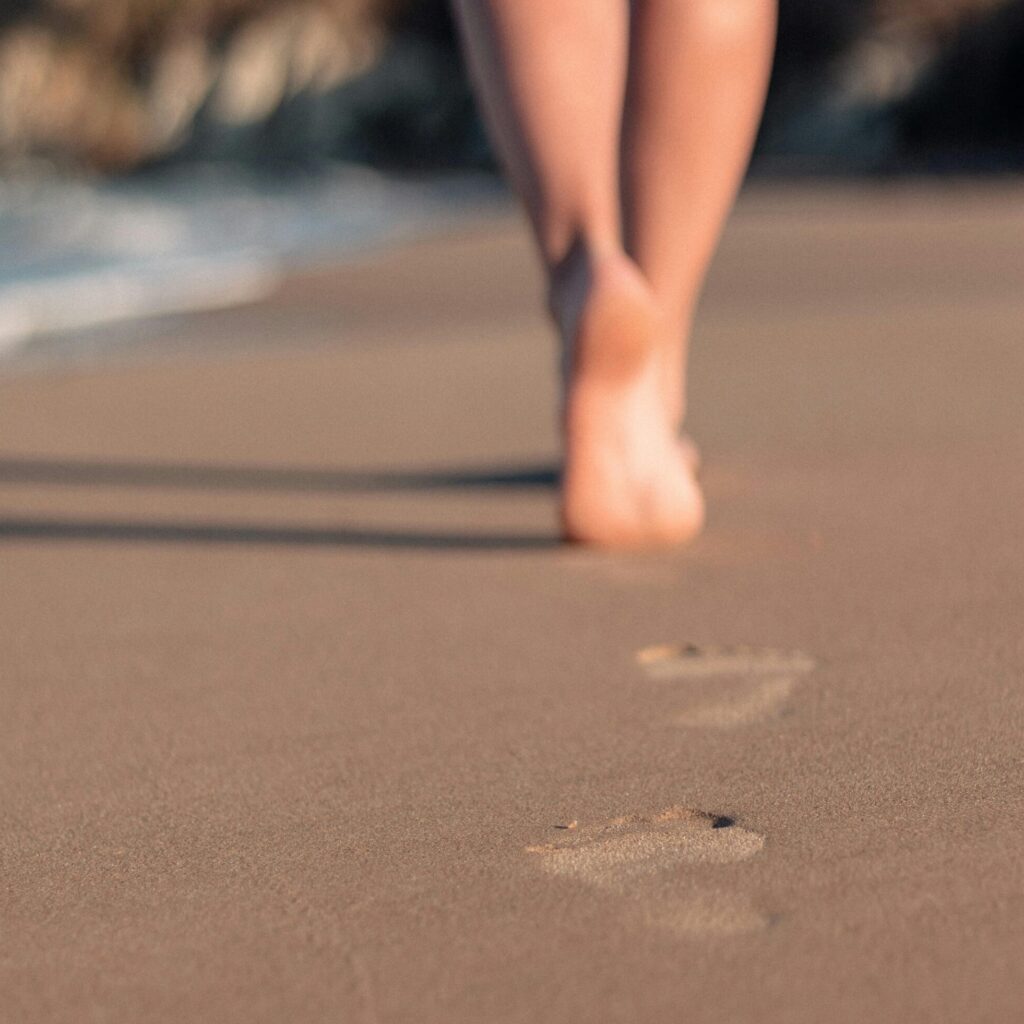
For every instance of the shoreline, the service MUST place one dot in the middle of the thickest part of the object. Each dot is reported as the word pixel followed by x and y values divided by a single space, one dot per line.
pixel 103 258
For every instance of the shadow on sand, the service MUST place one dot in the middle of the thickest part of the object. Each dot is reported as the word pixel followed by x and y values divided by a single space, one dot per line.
pixel 87 472
pixel 95 473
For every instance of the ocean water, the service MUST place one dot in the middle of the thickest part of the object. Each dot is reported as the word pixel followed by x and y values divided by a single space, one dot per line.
pixel 81 260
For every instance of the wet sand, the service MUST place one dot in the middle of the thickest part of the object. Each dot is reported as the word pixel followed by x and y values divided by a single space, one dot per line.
pixel 307 718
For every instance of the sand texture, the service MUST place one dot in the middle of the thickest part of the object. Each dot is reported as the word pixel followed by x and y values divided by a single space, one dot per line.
pixel 307 718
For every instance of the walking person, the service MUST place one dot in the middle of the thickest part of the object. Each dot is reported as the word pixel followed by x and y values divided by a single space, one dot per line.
pixel 625 128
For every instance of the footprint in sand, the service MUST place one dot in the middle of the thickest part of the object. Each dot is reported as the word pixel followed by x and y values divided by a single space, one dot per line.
pixel 728 686
pixel 640 857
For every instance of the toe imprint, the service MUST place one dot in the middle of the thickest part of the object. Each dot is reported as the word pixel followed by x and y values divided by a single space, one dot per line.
pixel 613 854
pixel 671 661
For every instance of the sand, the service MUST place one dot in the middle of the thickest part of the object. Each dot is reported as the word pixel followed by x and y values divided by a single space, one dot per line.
pixel 307 718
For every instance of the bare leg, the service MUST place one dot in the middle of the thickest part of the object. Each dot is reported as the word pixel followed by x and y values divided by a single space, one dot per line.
pixel 697 77
pixel 551 78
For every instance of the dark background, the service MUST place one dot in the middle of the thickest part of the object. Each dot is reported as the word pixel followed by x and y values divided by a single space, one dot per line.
pixel 121 85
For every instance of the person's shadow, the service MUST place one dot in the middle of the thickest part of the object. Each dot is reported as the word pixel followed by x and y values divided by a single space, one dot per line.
pixel 77 472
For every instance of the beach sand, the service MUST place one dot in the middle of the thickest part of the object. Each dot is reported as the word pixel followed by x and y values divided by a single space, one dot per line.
pixel 307 718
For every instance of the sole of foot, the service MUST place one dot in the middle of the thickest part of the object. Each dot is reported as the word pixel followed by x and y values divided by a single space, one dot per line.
pixel 629 480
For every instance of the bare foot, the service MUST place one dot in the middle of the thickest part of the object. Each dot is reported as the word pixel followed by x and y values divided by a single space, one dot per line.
pixel 628 480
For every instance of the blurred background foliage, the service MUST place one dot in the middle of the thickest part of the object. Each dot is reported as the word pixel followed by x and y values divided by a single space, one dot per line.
pixel 117 85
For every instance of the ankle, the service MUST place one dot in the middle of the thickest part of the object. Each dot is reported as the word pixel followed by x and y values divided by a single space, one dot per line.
pixel 572 281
